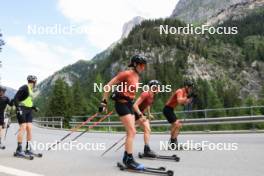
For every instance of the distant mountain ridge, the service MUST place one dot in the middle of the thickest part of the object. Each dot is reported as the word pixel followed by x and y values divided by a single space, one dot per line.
pixel 200 11
pixel 76 71
pixel 226 63
pixel 128 26
pixel 10 92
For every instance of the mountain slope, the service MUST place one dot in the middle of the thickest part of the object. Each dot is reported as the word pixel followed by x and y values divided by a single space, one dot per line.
pixel 10 92
pixel 128 26
pixel 81 68
pixel 228 69
pixel 235 11
pixel 200 11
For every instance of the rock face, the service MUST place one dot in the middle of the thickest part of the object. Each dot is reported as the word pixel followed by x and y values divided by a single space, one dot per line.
pixel 199 11
pixel 128 26
pixel 249 78
pixel 236 11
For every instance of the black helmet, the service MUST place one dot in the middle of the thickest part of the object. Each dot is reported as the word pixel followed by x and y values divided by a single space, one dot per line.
pixel 2 89
pixel 32 78
pixel 138 59
pixel 188 83
pixel 154 83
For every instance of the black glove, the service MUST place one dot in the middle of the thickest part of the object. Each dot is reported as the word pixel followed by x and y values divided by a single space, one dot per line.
pixel 36 109
pixel 192 95
pixel 102 106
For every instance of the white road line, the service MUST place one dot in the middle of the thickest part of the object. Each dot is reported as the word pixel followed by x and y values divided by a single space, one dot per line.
pixel 16 172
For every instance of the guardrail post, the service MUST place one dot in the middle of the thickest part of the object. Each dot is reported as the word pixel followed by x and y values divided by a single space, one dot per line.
pixel 53 122
pixel 251 114
pixel 205 116
pixel 61 123
pixel 109 126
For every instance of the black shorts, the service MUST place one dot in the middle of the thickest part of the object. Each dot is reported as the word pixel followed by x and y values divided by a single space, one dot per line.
pixel 124 108
pixel 26 116
pixel 169 114
pixel 2 119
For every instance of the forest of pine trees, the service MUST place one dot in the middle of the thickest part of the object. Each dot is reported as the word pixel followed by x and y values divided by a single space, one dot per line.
pixel 80 100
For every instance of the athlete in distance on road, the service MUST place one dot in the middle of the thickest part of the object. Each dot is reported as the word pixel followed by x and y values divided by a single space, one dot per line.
pixel 143 103
pixel 4 101
pixel 179 97
pixel 124 104
pixel 24 106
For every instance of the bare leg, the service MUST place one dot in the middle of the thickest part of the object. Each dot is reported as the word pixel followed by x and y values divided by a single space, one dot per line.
pixel 175 129
pixel 129 123
pixel 29 134
pixel 144 124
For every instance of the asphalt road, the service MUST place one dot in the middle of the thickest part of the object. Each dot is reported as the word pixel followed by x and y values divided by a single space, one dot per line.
pixel 247 160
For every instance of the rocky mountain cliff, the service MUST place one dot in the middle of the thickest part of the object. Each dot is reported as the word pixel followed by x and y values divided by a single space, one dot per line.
pixel 200 11
pixel 233 63
pixel 128 26
pixel 235 11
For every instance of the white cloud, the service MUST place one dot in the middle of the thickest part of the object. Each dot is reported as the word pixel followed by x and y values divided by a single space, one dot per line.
pixel 40 58
pixel 105 18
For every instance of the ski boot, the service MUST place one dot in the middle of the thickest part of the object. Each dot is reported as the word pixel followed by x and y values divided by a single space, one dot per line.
pixel 173 144
pixel 130 163
pixel 20 154
pixel 148 152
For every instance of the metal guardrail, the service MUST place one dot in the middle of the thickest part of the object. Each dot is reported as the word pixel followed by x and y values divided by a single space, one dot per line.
pixel 189 122
pixel 250 117
pixel 53 122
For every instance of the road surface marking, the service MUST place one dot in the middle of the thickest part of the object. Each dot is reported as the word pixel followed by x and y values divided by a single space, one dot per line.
pixel 12 171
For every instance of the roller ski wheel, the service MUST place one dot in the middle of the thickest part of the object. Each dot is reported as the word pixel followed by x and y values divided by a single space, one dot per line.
pixel 30 153
pixel 146 170
pixel 170 173
pixel 162 157
pixel 23 156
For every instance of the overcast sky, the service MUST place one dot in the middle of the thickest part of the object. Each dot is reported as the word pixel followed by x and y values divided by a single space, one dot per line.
pixel 99 23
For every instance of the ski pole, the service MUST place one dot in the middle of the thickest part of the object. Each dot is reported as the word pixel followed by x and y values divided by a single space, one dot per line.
pixel 7 126
pixel 117 142
pixel 124 142
pixel 120 146
pixel 95 123
pixel 74 130
pixel 6 132
pixel 16 132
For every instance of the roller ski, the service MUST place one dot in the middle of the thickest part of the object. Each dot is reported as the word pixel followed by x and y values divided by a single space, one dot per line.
pixel 179 147
pixel 174 145
pixel 2 147
pixel 22 155
pixel 31 153
pixel 129 164
pixel 162 157
pixel 149 154
pixel 154 171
